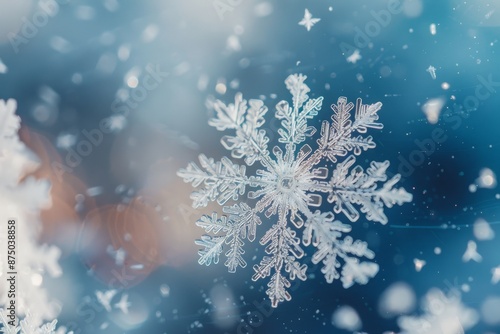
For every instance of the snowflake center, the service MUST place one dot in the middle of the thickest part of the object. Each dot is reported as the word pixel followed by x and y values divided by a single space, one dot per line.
pixel 287 183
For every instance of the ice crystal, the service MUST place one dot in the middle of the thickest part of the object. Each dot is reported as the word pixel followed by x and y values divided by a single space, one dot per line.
pixel 308 21
pixel 28 326
pixel 290 186
pixel 22 200
pixel 442 315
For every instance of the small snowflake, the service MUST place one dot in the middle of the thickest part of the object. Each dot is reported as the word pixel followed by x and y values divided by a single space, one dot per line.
pixel 308 21
pixel 432 71
pixel 290 186
pixel 353 59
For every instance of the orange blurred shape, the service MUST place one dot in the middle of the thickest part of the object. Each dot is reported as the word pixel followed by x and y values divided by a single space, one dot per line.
pixel 131 229
pixel 60 222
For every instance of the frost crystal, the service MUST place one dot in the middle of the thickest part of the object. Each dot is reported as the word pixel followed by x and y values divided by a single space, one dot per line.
pixel 308 21
pixel 290 186
pixel 442 315
pixel 27 326
pixel 22 200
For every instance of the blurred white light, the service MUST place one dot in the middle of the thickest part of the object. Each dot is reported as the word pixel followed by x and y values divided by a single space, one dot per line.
pixel 233 43
pixel 419 264
pixel 432 109
pixel 164 290
pixel 353 59
pixel 65 141
pixel 43 114
pixel 36 279
pixel 106 63
pixel 412 8
pixel 76 78
pixel 10 16
pixel 85 13
pixel 124 52
pixel 111 5
pixel 107 38
pixel 346 318
pixel 117 123
pixel 48 95
pixel 138 313
pixel 244 62
pixel 132 81
pixel 432 29
pixel 263 9
pixel 487 179
pixel 221 88
pixel 182 68
pixel 490 310
pixel 496 275
pixel 150 33
pixel 203 82
pixel 483 230
pixel 234 84
pixel 397 299
pixel 471 253
pixel 60 44
pixel 224 313
pixel 3 67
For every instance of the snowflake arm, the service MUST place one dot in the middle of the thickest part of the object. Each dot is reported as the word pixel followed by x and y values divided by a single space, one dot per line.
pixel 28 326
pixel 250 142
pixel 7 329
pixel 294 119
pixel 337 138
pixel 323 232
pixel 284 249
pixel 240 225
pixel 222 180
pixel 361 188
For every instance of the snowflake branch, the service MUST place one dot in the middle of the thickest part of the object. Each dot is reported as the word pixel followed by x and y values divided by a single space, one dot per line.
pixel 250 142
pixel 241 224
pixel 360 188
pixel 294 120
pixel 284 248
pixel 323 232
pixel 222 180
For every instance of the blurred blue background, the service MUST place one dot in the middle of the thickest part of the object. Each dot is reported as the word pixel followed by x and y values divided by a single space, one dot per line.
pixel 87 62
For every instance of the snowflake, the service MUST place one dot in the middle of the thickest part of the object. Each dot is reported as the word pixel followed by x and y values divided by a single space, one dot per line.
pixel 27 326
pixel 353 59
pixel 308 21
pixel 290 188
pixel 442 315
pixel 23 201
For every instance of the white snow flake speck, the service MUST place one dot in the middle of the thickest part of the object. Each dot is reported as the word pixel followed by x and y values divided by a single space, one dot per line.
pixel 308 21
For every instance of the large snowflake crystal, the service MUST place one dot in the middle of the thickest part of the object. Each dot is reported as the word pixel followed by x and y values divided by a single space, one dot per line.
pixel 22 200
pixel 290 187
pixel 27 326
